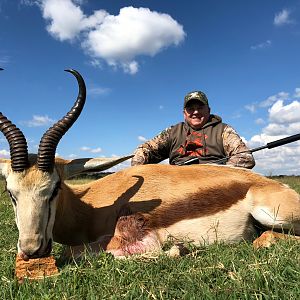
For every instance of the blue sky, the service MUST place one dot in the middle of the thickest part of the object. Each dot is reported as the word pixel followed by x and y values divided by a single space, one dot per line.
pixel 139 59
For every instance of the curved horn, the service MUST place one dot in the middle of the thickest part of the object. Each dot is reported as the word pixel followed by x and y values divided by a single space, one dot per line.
pixel 50 139
pixel 17 144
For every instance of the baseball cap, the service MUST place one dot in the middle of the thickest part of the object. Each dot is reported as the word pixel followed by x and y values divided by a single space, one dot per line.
pixel 196 95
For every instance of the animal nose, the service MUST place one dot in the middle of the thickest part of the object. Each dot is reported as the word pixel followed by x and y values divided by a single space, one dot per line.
pixel 38 251
pixel 30 247
pixel 24 256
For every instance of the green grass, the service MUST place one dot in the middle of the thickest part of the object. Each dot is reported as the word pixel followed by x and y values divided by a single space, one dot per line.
pixel 78 181
pixel 214 272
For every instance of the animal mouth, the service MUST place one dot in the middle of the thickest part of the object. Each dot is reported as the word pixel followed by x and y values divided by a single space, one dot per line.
pixel 45 253
pixel 37 253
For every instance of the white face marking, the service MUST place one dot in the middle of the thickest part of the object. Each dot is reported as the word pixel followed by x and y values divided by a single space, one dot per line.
pixel 34 197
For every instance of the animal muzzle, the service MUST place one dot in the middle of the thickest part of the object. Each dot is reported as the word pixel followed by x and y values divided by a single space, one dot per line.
pixel 34 249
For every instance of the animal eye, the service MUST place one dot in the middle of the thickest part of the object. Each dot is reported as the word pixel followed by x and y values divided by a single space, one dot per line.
pixel 55 191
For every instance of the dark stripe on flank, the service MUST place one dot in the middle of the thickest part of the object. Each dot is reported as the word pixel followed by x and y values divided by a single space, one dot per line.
pixel 205 202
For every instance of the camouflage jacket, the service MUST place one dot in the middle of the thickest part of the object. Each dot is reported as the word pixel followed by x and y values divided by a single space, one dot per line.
pixel 180 143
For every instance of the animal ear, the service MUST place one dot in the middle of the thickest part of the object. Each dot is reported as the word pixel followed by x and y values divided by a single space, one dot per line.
pixel 84 165
pixel 4 166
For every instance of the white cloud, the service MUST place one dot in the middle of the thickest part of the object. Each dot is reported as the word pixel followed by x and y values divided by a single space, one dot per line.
pixel 30 2
pixel 96 150
pixel 131 67
pixel 250 107
pixel 236 115
pixel 278 161
pixel 275 161
pixel 141 138
pixel 4 59
pixel 297 93
pixel 282 18
pixel 281 114
pixel 119 166
pixel 66 20
pixel 262 45
pixel 119 39
pixel 96 91
pixel 4 153
pixel 39 121
pixel 91 150
pixel 284 120
pixel 272 99
pixel 282 129
pixel 135 31
pixel 260 121
pixel 84 148
pixel 267 102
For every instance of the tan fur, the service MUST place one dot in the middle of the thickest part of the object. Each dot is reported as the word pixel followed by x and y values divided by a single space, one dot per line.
pixel 201 203
pixel 175 199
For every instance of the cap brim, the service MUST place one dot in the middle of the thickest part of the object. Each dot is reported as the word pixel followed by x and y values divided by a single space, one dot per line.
pixel 195 99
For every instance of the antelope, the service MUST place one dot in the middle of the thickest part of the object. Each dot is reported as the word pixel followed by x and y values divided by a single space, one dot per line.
pixel 136 209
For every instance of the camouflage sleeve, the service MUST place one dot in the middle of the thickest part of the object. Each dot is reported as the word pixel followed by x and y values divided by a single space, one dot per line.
pixel 233 144
pixel 154 150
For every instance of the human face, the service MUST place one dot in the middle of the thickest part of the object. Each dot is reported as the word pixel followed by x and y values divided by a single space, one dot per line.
pixel 196 114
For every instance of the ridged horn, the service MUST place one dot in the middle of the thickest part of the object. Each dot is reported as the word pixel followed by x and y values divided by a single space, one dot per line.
pixel 17 144
pixel 51 138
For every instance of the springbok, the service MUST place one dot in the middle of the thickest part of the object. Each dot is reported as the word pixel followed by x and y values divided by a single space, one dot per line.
pixel 136 209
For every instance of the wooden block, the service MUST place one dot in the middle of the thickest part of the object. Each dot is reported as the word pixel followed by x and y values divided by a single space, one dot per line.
pixel 36 268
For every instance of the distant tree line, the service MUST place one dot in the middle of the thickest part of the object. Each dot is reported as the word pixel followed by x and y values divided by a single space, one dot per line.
pixel 92 175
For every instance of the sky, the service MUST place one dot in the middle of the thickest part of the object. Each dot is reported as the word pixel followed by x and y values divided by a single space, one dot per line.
pixel 139 59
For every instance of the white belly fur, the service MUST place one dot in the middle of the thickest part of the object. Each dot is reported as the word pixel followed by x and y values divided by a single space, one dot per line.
pixel 231 225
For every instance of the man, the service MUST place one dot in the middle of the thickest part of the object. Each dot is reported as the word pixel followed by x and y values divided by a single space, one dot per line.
pixel 202 137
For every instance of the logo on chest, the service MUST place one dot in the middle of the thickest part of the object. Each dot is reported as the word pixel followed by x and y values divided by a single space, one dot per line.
pixel 194 145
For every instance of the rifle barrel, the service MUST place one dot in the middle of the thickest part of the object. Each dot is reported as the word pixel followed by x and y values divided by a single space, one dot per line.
pixel 289 139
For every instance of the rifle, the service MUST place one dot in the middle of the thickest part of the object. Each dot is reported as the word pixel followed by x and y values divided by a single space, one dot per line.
pixel 280 142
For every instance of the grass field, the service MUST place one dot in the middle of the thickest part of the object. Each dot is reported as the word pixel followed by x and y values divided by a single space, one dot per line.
pixel 214 272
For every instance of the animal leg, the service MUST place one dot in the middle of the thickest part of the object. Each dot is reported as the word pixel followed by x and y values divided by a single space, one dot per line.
pixel 269 238
pixel 277 208
pixel 132 236
pixel 93 248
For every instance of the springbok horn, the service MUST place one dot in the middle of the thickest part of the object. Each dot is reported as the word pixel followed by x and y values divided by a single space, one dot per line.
pixel 17 144
pixel 50 139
